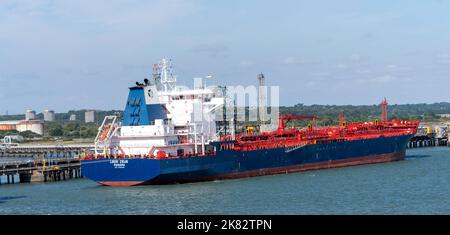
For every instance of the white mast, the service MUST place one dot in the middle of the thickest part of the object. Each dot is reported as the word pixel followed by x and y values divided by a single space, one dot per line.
pixel 168 80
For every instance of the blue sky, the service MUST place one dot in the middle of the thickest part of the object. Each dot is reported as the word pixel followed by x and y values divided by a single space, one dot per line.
pixel 66 55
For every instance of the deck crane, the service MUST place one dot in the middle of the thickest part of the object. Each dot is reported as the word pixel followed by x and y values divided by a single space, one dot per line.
pixel 283 120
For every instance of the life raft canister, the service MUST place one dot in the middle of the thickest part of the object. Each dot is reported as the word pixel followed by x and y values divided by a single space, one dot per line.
pixel 161 154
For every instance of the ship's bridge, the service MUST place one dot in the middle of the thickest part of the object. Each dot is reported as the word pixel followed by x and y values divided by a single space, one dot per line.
pixel 159 114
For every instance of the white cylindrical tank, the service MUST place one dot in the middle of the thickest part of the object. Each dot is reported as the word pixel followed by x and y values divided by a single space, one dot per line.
pixel 49 115
pixel 89 116
pixel 30 115
pixel 35 126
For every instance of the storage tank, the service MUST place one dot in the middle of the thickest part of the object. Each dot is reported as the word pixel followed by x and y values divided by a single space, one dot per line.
pixel 89 116
pixel 8 125
pixel 35 126
pixel 30 115
pixel 49 115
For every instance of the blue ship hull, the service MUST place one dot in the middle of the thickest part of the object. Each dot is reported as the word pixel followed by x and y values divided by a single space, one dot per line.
pixel 228 164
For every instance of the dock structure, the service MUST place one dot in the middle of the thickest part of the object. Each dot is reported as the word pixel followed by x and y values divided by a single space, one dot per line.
pixel 429 135
pixel 40 171
pixel 41 151
pixel 41 163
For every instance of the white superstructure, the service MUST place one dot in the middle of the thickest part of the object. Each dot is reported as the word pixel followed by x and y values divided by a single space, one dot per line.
pixel 162 117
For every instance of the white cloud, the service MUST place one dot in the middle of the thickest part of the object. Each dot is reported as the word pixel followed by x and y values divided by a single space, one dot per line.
pixel 90 39
pixel 446 61
pixel 340 85
pixel 363 71
pixel 290 60
pixel 341 66
pixel 443 58
pixel 384 79
pixel 380 80
pixel 293 60
pixel 355 57
pixel 394 67
pixel 53 20
pixel 429 66
pixel 391 66
pixel 246 63
pixel 211 49
pixel 321 74
pixel 312 83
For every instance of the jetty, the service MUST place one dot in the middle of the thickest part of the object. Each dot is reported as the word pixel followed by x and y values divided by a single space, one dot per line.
pixel 41 163
pixel 431 135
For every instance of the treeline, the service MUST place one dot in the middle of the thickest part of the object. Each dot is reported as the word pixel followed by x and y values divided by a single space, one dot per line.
pixel 328 114
pixel 80 115
pixel 71 130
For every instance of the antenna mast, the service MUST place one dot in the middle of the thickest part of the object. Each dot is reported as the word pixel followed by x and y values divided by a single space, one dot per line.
pixel 384 114
pixel 261 99
pixel 341 119
pixel 163 75
pixel 224 113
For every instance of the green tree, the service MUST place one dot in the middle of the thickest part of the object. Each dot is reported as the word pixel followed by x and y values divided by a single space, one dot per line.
pixel 55 130
pixel 28 134
pixel 69 127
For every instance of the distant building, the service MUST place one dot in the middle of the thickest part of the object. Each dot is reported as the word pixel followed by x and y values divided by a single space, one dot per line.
pixel 73 117
pixel 35 126
pixel 30 115
pixel 8 125
pixel 89 116
pixel 49 115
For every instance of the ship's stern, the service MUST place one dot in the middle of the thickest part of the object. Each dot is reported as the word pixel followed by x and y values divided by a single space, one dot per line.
pixel 121 172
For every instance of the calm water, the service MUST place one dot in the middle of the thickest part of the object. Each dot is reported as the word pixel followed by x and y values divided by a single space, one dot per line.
pixel 418 185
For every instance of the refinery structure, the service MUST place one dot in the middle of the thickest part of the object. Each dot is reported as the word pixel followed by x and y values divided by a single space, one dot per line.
pixel 36 123
pixel 31 123
pixel 49 115
pixel 89 116
pixel 35 126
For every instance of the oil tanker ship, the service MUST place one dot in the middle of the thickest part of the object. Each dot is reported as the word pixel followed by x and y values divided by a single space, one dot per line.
pixel 158 140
